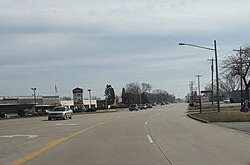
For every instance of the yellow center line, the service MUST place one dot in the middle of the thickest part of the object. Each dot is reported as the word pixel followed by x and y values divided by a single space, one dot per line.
pixel 58 141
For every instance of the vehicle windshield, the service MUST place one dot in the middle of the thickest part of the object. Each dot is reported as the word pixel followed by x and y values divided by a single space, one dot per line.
pixel 59 109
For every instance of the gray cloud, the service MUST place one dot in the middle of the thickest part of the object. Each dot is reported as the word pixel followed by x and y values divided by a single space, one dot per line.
pixel 91 43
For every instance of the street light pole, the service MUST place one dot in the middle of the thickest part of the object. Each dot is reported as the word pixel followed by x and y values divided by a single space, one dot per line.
pixel 216 63
pixel 34 94
pixel 89 98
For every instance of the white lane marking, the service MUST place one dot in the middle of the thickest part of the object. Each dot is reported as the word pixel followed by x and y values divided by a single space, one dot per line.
pixel 12 136
pixel 65 124
pixel 146 123
pixel 150 139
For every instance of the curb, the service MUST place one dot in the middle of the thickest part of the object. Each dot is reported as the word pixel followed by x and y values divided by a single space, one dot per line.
pixel 198 119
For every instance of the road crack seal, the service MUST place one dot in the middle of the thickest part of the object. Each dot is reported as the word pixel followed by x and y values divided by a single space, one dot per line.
pixel 157 145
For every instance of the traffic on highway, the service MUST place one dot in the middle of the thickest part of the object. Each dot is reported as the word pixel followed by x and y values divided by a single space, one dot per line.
pixel 159 135
pixel 124 82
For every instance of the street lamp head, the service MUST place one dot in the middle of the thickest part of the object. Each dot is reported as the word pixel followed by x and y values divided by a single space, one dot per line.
pixel 181 43
pixel 89 90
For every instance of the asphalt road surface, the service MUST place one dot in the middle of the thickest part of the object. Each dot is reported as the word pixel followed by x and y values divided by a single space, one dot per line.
pixel 241 126
pixel 160 136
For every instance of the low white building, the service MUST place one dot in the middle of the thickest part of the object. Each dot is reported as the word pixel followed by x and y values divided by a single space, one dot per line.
pixel 85 103
pixel 204 99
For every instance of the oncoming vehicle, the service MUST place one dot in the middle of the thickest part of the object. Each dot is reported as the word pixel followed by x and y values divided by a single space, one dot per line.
pixel 60 113
pixel 143 106
pixel 133 107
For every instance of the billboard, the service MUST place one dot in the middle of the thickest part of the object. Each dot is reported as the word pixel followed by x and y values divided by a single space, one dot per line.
pixel 78 96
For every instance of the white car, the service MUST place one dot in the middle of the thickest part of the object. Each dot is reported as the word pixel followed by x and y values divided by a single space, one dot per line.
pixel 227 100
pixel 60 113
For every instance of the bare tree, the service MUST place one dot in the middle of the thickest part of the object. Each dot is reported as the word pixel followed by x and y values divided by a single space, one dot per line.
pixel 133 88
pixel 146 87
pixel 229 83
pixel 239 68
pixel 133 92
pixel 160 95
pixel 137 92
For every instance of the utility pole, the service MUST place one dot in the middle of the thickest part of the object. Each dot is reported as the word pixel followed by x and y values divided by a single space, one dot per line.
pixel 217 76
pixel 212 69
pixel 241 86
pixel 191 87
pixel 34 90
pixel 241 93
pixel 199 88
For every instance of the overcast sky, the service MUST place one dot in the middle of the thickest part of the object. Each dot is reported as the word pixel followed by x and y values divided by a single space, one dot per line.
pixel 91 43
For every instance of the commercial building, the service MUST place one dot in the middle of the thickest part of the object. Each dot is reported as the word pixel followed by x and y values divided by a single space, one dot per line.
pixel 70 103
pixel 13 104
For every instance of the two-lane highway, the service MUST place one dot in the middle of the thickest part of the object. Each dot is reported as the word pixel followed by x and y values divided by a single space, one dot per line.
pixel 162 135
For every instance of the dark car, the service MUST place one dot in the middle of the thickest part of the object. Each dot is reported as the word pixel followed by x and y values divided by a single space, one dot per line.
pixel 149 105
pixel 133 107
pixel 3 115
pixel 27 112
pixel 41 111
